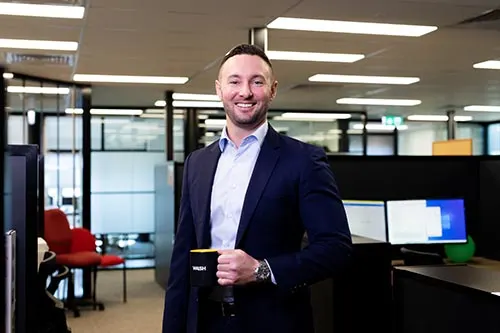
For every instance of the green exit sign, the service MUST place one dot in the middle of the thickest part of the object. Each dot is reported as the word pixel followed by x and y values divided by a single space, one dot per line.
pixel 392 120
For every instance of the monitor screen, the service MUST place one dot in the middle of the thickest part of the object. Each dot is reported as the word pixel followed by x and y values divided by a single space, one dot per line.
pixel 426 221
pixel 366 218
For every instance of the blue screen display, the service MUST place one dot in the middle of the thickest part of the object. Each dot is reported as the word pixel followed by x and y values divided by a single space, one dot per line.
pixel 452 219
pixel 426 221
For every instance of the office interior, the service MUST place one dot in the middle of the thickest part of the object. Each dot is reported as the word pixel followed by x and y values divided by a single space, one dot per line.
pixel 109 155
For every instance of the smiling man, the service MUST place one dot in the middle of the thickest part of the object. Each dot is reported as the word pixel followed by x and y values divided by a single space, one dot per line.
pixel 252 195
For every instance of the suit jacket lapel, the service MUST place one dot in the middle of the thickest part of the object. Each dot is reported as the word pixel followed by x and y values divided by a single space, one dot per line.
pixel 264 166
pixel 203 190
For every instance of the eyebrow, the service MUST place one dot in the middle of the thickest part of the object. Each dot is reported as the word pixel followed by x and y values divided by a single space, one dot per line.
pixel 236 76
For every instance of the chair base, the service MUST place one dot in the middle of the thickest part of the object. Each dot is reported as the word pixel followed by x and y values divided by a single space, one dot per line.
pixel 77 304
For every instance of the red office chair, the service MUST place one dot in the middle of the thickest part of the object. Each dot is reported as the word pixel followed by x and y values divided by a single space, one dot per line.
pixel 83 240
pixel 60 239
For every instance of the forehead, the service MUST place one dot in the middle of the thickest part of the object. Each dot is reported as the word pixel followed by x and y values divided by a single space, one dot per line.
pixel 245 65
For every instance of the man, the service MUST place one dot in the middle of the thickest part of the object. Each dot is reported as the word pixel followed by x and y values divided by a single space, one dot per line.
pixel 252 195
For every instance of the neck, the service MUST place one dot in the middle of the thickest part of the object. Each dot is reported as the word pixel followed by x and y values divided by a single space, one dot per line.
pixel 236 133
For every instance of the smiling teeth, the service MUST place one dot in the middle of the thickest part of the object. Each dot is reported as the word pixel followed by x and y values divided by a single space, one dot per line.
pixel 245 105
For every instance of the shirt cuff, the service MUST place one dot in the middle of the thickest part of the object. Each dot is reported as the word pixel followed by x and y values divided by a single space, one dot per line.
pixel 272 275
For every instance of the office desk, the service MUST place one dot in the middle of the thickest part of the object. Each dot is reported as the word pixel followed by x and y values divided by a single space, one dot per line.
pixel 359 300
pixel 437 299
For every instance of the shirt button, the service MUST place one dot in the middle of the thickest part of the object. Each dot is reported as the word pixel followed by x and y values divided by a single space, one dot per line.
pixel 233 186
pixel 229 216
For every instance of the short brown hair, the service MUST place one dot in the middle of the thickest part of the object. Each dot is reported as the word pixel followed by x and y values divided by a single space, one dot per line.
pixel 247 49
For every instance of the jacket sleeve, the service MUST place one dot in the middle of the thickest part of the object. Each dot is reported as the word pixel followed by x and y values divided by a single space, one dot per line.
pixel 325 221
pixel 178 288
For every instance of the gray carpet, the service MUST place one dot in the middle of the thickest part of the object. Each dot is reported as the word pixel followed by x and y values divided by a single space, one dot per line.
pixel 142 312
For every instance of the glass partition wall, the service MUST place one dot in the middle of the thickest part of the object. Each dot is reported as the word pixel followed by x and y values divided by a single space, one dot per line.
pixel 39 114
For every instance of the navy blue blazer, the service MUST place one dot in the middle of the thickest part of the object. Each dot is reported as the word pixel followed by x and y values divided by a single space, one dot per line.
pixel 292 190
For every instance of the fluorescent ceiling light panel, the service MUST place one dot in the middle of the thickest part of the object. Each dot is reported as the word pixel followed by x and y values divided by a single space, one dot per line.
pixel 37 44
pixel 489 64
pixel 38 10
pixel 289 23
pixel 196 104
pixel 482 108
pixel 215 122
pixel 130 79
pixel 363 79
pixel 426 117
pixel 195 97
pixel 38 90
pixel 307 116
pixel 380 127
pixel 108 112
pixel 375 101
pixel 314 56
pixel 8 76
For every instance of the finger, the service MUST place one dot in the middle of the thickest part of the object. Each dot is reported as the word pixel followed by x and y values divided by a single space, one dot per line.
pixel 225 258
pixel 225 282
pixel 226 251
pixel 224 267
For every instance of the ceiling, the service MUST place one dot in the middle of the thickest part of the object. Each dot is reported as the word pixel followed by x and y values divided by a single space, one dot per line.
pixel 189 37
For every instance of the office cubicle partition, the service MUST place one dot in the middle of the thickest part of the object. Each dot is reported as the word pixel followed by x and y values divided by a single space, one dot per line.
pixel 23 164
pixel 3 212
pixel 489 206
pixel 164 220
pixel 473 178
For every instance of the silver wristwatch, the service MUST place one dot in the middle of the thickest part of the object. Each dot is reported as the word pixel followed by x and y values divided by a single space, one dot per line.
pixel 262 272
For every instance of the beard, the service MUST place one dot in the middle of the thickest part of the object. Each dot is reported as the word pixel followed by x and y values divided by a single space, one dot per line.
pixel 247 121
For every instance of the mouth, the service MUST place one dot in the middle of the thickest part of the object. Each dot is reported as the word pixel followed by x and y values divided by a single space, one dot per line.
pixel 245 106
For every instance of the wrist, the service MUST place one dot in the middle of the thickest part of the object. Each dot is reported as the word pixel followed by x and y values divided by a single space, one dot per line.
pixel 262 272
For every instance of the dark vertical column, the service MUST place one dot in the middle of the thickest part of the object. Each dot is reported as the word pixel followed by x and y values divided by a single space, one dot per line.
pixel 364 121
pixel 3 215
pixel 191 134
pixel 485 136
pixel 258 37
pixel 452 124
pixel 35 130
pixel 395 144
pixel 169 125
pixel 86 100
pixel 343 126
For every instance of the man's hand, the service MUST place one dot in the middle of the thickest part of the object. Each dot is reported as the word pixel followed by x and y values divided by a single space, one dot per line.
pixel 236 268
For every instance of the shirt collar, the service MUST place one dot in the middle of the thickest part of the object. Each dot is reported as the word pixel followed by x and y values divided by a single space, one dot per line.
pixel 259 134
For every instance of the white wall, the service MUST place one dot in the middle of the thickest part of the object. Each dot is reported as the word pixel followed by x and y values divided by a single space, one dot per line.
pixel 418 138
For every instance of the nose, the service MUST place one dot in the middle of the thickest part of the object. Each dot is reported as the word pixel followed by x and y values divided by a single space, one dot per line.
pixel 246 91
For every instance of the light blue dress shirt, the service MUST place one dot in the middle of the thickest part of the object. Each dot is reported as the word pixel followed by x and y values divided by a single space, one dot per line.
pixel 230 185
pixel 232 177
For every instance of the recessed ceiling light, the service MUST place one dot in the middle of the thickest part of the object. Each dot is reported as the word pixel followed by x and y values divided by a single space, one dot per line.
pixel 489 64
pixel 380 127
pixel 37 44
pixel 39 10
pixel 314 56
pixel 130 79
pixel 38 90
pixel 289 23
pixel 197 104
pixel 109 112
pixel 381 101
pixel 195 97
pixel 429 117
pixel 308 116
pixel 482 108
pixel 8 76
pixel 363 79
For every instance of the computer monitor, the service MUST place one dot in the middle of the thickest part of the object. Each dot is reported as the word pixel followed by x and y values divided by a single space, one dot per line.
pixel 428 221
pixel 366 218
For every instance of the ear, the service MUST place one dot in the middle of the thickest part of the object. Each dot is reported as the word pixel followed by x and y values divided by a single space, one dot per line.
pixel 218 89
pixel 274 89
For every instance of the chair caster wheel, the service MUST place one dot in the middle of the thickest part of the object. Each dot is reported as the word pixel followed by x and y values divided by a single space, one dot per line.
pixel 101 307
